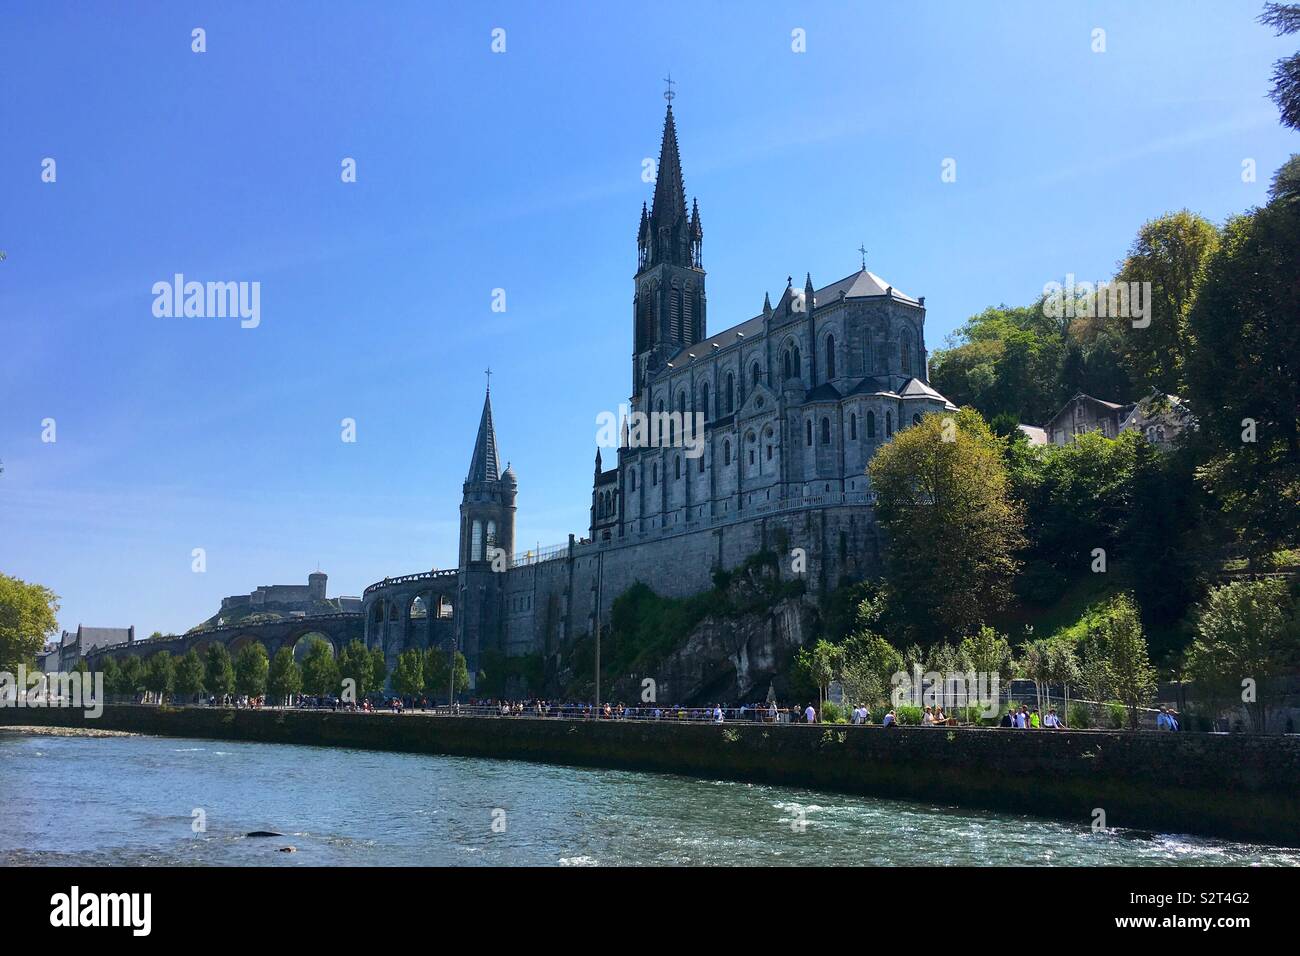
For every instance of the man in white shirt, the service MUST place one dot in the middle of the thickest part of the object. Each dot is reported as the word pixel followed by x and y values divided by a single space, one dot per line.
pixel 1051 721
pixel 810 715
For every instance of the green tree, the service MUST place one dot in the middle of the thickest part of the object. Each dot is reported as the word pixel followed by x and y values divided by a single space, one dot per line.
pixel 1243 375
pixel 284 679
pixel 1116 662
pixel 868 666
pixel 320 674
pixel 986 652
pixel 112 673
pixel 437 678
pixel 131 677
pixel 1285 19
pixel 250 670
pixel 27 619
pixel 408 677
pixel 1169 252
pixel 1247 635
pixel 378 668
pixel 355 664
pixel 189 675
pixel 1062 668
pixel 944 501
pixel 160 675
pixel 219 676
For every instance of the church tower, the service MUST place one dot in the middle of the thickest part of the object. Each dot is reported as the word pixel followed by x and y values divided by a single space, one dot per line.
pixel 669 303
pixel 487 508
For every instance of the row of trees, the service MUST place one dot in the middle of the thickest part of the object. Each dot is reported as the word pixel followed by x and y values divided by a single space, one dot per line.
pixel 429 672
pixel 251 673
pixel 1247 637
pixel 1108 660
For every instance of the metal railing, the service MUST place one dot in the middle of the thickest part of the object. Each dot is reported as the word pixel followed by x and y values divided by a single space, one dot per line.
pixel 410 578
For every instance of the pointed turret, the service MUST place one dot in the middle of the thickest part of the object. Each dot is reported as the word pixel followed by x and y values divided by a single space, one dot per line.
pixel 484 466
pixel 697 234
pixel 487 506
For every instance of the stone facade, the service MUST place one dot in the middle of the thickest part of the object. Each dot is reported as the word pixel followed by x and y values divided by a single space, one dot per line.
pixel 754 438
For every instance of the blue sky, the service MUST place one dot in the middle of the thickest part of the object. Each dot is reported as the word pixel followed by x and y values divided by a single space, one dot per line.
pixel 521 171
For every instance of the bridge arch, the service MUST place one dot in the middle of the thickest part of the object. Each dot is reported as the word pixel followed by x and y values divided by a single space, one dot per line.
pixel 301 643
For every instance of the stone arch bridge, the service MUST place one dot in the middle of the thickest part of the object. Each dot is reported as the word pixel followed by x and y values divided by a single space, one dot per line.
pixel 414 610
pixel 337 630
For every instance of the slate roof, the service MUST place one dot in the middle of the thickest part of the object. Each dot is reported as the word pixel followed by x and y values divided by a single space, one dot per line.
pixel 484 466
pixel 862 284
pixel 1036 435
pixel 92 637
pixel 825 392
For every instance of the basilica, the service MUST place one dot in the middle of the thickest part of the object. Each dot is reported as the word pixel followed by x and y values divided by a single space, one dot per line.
pixel 764 431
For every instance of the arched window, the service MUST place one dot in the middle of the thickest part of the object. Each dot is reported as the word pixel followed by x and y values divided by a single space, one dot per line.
pixel 916 419
pixel 756 375
pixel 889 424
pixel 809 424
pixel 681 401
pixel 726 453
pixel 677 467
pixel 871 425
pixel 905 353
pixel 798 363
pixel 785 364
pixel 830 357
pixel 767 440
pixel 632 479
pixel 476 542
pixel 491 538
pixel 704 394
pixel 826 431
pixel 853 427
pixel 701 462
pixel 731 393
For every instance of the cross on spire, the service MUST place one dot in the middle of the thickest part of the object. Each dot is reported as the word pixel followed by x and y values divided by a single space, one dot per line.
pixel 862 249
pixel 488 372
pixel 668 93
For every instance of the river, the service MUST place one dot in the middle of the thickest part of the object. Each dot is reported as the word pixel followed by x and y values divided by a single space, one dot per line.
pixel 133 800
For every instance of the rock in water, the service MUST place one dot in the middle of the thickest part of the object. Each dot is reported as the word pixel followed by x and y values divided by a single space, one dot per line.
pixel 263 833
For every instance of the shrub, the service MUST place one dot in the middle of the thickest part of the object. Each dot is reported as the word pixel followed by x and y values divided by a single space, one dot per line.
pixel 1079 717
pixel 832 713
pixel 908 716
pixel 1116 714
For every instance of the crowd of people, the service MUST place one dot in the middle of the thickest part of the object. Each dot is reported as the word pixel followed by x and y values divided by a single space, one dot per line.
pixel 1022 717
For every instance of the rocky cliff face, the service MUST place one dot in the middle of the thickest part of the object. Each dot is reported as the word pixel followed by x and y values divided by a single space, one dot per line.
pixel 730 659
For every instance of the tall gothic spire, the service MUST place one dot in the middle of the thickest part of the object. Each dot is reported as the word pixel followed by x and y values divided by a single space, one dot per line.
pixel 670 195
pixel 484 465
pixel 668 234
